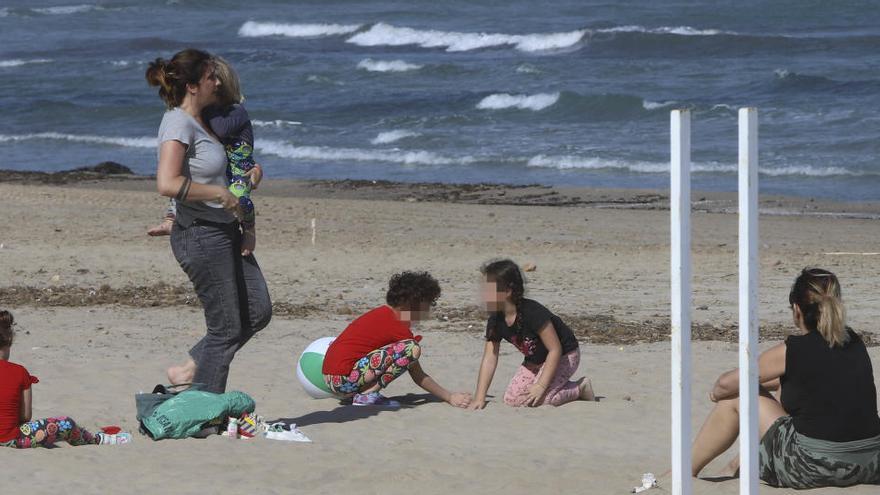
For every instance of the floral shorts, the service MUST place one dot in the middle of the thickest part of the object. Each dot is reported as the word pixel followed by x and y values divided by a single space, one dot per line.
pixel 383 365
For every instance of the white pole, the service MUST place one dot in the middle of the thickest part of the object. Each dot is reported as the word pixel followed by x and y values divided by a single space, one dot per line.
pixel 748 300
pixel 680 208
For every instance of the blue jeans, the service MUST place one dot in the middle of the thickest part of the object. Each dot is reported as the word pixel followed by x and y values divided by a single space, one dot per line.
pixel 232 290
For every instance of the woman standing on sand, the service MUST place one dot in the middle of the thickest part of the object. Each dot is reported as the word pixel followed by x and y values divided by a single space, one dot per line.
pixel 205 238
pixel 824 429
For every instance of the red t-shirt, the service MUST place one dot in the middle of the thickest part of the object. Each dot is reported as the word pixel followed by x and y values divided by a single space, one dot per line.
pixel 14 379
pixel 372 330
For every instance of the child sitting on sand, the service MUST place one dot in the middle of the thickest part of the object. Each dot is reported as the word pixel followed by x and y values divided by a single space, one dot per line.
pixel 379 346
pixel 230 122
pixel 17 430
pixel 550 348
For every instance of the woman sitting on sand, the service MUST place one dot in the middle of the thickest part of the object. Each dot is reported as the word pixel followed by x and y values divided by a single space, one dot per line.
pixel 379 346
pixel 824 429
pixel 206 237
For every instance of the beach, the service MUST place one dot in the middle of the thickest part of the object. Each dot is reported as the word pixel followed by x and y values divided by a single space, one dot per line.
pixel 102 310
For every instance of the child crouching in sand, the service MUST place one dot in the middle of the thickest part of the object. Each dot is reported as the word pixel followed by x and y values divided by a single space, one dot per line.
pixel 550 348
pixel 17 430
pixel 379 346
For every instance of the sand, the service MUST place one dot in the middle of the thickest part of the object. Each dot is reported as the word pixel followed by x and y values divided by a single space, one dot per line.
pixel 103 309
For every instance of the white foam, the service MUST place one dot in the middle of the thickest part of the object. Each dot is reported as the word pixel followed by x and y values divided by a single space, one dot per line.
pixel 120 63
pixel 393 136
pixel 382 34
pixel 654 105
pixel 723 106
pixel 567 162
pixel 4 12
pixel 534 102
pixel 18 62
pixel 274 123
pixel 251 29
pixel 371 65
pixel 67 9
pixel 528 69
pixel 678 30
pixel 782 73
pixel 137 142
pixel 319 79
pixel 323 153
pixel 810 171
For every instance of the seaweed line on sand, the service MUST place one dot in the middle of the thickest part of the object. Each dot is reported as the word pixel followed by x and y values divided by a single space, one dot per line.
pixel 591 328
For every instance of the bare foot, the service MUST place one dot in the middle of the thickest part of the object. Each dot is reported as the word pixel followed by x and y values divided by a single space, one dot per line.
pixel 248 242
pixel 586 389
pixel 182 374
pixel 163 228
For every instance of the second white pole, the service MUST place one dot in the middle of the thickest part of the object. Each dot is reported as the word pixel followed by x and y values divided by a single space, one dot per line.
pixel 748 300
pixel 680 271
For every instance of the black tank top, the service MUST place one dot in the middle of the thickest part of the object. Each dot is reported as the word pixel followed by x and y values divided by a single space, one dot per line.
pixel 829 392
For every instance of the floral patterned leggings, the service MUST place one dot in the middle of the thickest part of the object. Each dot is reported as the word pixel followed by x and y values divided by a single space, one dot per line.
pixel 45 432
pixel 383 365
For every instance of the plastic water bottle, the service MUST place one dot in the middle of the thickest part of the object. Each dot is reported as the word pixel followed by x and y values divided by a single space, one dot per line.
pixel 232 427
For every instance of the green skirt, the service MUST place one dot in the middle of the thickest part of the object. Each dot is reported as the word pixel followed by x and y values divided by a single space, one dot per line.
pixel 789 459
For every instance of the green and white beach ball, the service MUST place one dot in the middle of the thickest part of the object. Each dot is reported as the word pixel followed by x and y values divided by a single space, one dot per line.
pixel 308 368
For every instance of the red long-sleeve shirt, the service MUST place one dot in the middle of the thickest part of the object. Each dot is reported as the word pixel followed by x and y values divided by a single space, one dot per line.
pixel 371 331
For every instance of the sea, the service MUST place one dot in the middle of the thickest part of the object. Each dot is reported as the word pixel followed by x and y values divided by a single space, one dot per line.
pixel 566 92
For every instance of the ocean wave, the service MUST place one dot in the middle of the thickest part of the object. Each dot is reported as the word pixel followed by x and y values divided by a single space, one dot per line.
pixel 632 38
pixel 810 171
pixel 126 63
pixel 319 79
pixel 528 69
pixel 687 42
pixel 371 65
pixel 274 123
pixel 569 162
pixel 790 79
pixel 129 142
pixel 382 34
pixel 18 62
pixel 572 105
pixel 252 29
pixel 678 30
pixel 393 136
pixel 67 9
pixel 323 153
pixel 722 106
pixel 502 101
pixel 4 12
pixel 656 105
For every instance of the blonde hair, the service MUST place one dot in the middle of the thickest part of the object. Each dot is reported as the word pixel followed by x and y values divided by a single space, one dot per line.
pixel 230 86
pixel 817 293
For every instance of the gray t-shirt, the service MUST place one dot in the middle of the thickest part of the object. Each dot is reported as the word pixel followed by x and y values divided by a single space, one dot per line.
pixel 204 163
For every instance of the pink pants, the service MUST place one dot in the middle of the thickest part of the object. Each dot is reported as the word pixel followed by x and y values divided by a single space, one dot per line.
pixel 560 391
